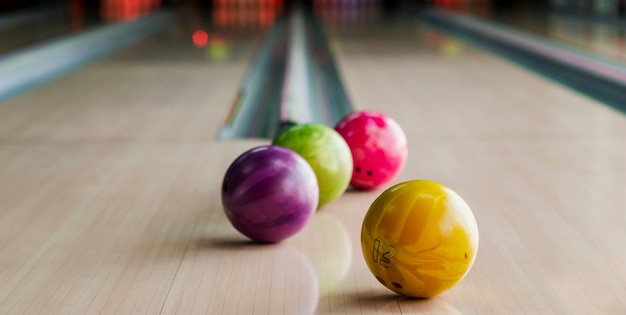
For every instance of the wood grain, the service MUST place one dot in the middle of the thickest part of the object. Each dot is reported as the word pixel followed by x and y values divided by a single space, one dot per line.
pixel 110 177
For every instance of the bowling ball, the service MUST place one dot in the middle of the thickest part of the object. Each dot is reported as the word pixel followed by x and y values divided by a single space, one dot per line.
pixel 269 193
pixel 327 153
pixel 419 238
pixel 378 145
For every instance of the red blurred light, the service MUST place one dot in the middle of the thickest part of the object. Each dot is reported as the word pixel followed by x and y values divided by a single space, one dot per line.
pixel 200 38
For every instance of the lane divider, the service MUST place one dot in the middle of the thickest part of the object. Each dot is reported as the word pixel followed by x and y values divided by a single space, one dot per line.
pixel 27 68
pixel 295 64
pixel 296 105
pixel 333 102
pixel 255 112
pixel 315 92
pixel 596 77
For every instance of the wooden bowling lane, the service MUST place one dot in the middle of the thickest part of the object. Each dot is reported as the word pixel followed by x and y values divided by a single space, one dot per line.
pixel 110 179
pixel 109 174
pixel 539 164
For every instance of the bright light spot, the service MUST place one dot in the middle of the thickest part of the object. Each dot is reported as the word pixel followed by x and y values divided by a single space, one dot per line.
pixel 200 38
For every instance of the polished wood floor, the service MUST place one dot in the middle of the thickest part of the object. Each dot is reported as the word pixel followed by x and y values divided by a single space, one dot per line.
pixel 110 177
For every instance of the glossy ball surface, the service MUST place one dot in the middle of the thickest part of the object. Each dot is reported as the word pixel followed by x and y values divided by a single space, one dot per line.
pixel 378 146
pixel 269 193
pixel 419 238
pixel 327 153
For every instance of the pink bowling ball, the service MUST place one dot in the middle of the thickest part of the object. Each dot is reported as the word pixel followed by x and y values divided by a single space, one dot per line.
pixel 379 147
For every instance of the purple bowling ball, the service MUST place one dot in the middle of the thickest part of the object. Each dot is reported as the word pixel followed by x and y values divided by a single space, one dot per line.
pixel 269 193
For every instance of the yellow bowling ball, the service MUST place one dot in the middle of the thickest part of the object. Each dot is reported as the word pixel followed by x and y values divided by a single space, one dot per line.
pixel 419 238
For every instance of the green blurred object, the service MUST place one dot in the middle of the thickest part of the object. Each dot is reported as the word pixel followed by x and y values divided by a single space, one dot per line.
pixel 218 50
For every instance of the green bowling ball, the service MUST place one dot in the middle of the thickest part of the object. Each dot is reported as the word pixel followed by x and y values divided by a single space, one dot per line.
pixel 326 151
